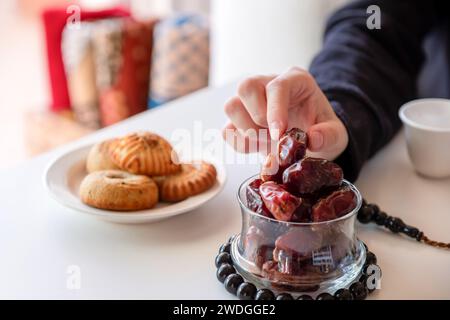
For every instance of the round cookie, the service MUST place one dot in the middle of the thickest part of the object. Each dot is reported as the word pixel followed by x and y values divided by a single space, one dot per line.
pixel 191 180
pixel 144 153
pixel 99 157
pixel 118 190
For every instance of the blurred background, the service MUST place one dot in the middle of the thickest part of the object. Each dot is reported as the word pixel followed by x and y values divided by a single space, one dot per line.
pixel 69 68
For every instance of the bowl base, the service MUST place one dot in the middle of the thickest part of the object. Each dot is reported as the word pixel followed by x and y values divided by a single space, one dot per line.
pixel 331 282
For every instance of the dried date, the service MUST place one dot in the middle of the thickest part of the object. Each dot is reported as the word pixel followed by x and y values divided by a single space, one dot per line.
pixel 257 247
pixel 254 200
pixel 298 243
pixel 335 205
pixel 293 252
pixel 292 147
pixel 271 170
pixel 309 175
pixel 303 212
pixel 278 200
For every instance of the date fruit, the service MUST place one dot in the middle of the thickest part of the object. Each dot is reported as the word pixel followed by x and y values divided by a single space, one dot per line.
pixel 297 243
pixel 292 147
pixel 309 175
pixel 293 252
pixel 254 200
pixel 278 200
pixel 334 206
pixel 271 170
pixel 257 246
pixel 303 212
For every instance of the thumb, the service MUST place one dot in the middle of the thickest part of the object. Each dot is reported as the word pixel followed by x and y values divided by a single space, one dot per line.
pixel 326 137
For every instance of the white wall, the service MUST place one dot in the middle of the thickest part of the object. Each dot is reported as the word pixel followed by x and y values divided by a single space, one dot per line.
pixel 264 36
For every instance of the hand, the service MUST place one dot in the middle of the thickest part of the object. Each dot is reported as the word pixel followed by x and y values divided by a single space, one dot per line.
pixel 292 99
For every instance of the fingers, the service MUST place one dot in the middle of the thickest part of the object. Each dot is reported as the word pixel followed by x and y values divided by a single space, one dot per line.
pixel 329 138
pixel 238 115
pixel 235 139
pixel 277 92
pixel 258 141
pixel 292 99
pixel 252 93
pixel 326 139
pixel 295 84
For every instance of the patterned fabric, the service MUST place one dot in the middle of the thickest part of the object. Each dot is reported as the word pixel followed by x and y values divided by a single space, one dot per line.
pixel 122 50
pixel 80 73
pixel 180 57
pixel 54 20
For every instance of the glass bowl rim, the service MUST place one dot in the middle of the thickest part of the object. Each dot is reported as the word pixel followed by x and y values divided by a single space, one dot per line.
pixel 344 217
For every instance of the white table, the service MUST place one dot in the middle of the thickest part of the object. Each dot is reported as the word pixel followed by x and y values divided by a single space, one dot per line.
pixel 174 259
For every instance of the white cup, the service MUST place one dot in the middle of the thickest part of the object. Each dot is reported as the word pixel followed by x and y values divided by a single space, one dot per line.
pixel 427 131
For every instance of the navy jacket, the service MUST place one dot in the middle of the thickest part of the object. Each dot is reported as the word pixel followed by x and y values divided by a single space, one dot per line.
pixel 368 74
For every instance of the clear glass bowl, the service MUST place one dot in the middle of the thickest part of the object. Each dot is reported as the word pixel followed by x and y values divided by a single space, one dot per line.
pixel 297 257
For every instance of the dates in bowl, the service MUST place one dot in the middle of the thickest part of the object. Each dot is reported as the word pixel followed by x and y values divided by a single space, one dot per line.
pixel 298 218
pixel 297 188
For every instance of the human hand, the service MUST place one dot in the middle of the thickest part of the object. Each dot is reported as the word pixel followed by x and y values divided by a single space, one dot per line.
pixel 291 99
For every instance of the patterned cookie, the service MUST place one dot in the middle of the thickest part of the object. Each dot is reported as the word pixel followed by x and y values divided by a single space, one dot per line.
pixel 191 180
pixel 118 190
pixel 144 153
pixel 99 157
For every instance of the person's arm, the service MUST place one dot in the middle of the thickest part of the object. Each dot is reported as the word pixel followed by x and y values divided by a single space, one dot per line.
pixel 368 74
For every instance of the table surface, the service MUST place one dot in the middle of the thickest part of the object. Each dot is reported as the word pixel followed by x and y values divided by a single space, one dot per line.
pixel 174 259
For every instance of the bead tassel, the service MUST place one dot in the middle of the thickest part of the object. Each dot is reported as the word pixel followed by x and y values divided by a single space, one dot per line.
pixel 371 213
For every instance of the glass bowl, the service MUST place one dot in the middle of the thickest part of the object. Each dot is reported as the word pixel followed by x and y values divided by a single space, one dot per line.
pixel 297 257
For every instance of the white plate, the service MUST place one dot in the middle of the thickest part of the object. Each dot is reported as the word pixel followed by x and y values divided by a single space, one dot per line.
pixel 63 177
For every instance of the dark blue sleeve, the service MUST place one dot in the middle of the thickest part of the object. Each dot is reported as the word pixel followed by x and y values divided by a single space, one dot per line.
pixel 368 74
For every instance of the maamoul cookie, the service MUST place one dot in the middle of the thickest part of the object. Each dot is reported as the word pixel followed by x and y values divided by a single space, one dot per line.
pixel 144 153
pixel 99 157
pixel 191 180
pixel 118 190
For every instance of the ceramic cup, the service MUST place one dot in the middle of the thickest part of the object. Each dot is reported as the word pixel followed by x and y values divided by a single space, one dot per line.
pixel 427 131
